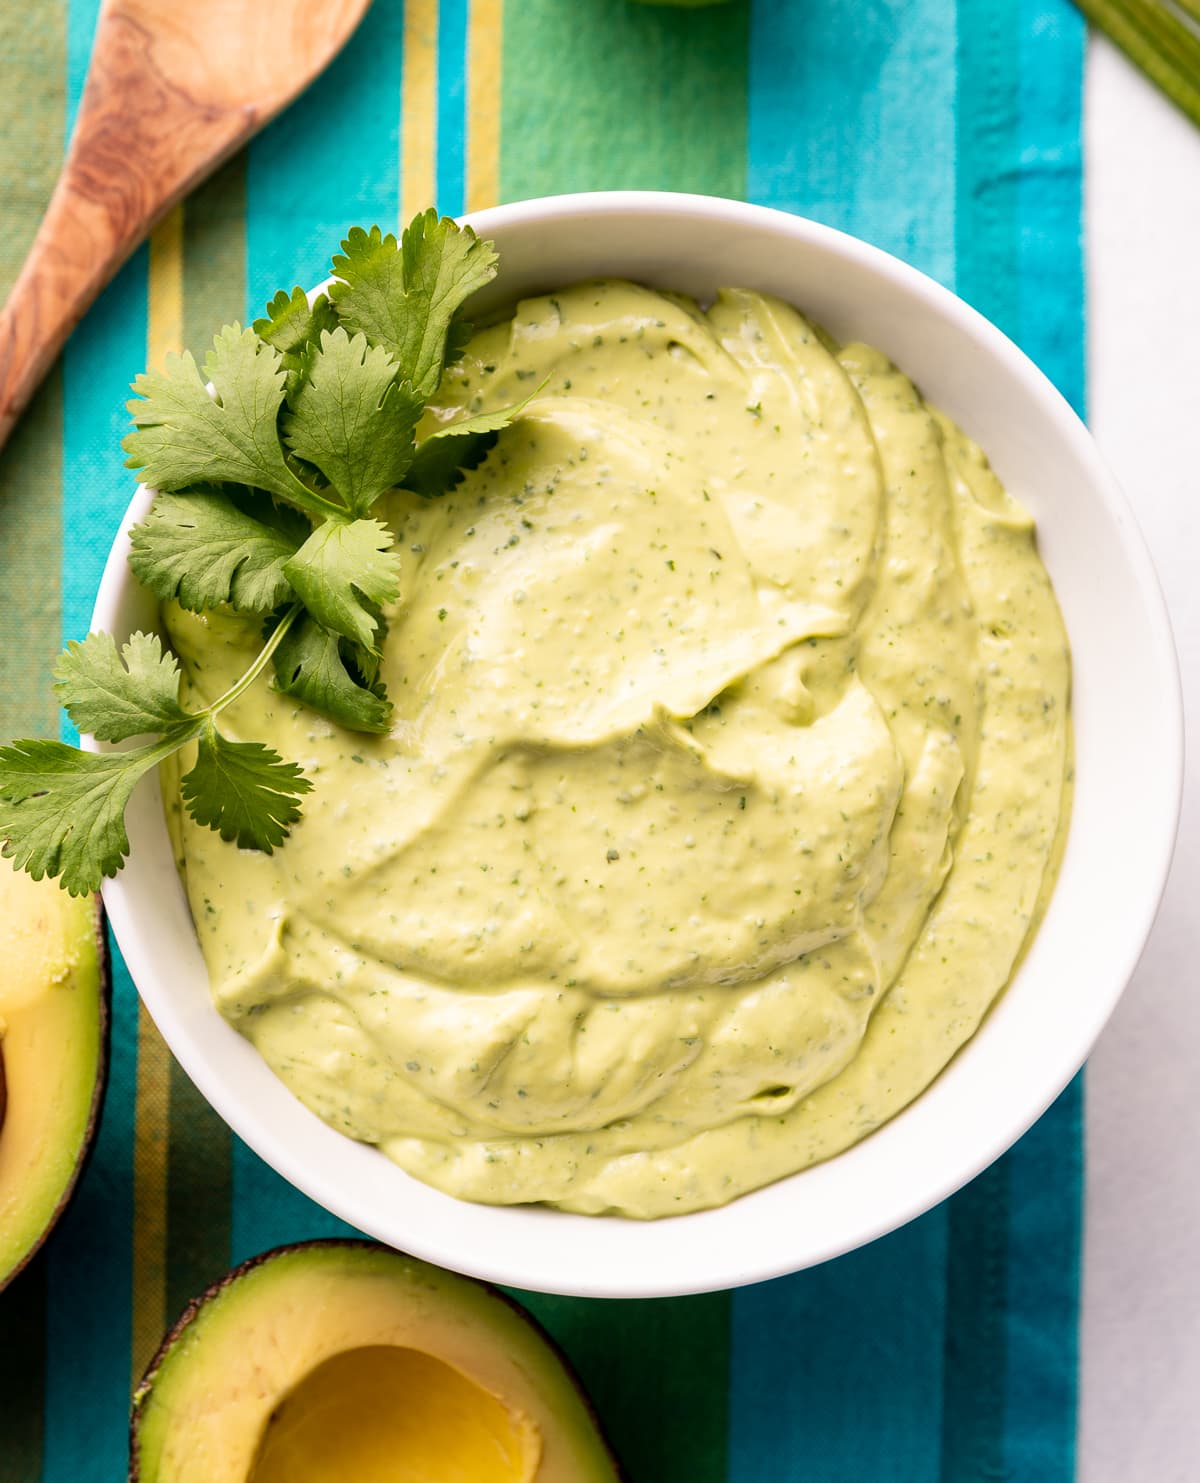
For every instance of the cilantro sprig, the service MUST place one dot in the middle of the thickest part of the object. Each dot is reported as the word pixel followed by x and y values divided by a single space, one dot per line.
pixel 267 465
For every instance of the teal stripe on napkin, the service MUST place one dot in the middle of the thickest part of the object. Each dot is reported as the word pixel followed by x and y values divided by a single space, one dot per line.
pixel 978 1325
pixel 852 120
pixel 1046 1234
pixel 328 163
pixel 452 106
pixel 836 1373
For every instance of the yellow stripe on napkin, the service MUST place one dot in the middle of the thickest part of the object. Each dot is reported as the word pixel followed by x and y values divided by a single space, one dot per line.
pixel 152 1105
pixel 418 108
pixel 484 31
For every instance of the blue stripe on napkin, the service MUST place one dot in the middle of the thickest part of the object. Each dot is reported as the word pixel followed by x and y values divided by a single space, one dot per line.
pixel 452 107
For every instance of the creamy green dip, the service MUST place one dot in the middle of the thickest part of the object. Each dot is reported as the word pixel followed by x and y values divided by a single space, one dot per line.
pixel 728 764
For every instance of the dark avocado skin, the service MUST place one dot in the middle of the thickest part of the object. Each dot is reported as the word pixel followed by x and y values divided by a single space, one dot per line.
pixel 104 976
pixel 177 1329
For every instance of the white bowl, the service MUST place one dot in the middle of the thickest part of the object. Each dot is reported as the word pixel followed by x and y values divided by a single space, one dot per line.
pixel 1129 754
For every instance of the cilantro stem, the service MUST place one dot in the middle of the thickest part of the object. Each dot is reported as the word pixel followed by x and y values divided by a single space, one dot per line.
pixel 150 756
pixel 313 503
pixel 240 687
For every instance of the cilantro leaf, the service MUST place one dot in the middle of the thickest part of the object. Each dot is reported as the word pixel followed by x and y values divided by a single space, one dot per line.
pixel 365 664
pixel 352 421
pixel 292 322
pixel 341 564
pixel 62 811
pixel 444 456
pixel 113 695
pixel 291 325
pixel 183 436
pixel 207 547
pixel 407 297
pixel 441 462
pixel 368 293
pixel 310 664
pixel 243 790
pixel 446 264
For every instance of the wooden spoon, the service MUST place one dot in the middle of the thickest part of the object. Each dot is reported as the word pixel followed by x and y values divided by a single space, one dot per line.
pixel 174 88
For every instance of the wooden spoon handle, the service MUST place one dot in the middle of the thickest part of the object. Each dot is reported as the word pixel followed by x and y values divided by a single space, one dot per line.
pixel 141 142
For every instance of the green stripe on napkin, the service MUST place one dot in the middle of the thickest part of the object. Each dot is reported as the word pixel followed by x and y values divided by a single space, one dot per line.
pixel 659 105
pixel 199 1148
pixel 32 114
pixel 658 1373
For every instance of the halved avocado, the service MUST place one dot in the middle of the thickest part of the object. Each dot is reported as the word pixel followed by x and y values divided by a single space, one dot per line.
pixel 54 987
pixel 347 1362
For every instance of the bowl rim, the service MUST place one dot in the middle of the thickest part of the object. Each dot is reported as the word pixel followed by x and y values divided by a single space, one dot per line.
pixel 719 1267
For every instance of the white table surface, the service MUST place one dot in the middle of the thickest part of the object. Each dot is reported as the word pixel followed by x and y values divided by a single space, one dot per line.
pixel 1140 1402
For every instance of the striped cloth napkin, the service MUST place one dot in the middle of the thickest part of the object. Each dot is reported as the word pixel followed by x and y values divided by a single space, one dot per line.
pixel 949 134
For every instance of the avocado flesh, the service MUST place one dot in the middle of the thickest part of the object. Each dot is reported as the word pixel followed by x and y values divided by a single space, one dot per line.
pixel 338 1360
pixel 53 1018
pixel 356 1413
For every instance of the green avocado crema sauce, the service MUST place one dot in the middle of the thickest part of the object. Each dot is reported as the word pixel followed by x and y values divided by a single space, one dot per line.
pixel 729 766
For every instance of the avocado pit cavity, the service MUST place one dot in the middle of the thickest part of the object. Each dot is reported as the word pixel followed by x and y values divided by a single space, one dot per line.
pixel 380 1412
